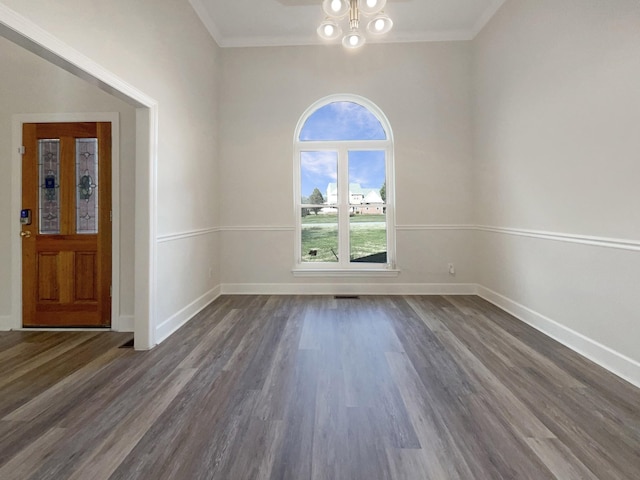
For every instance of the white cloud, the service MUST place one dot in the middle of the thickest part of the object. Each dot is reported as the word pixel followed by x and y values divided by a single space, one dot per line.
pixel 319 164
pixel 355 118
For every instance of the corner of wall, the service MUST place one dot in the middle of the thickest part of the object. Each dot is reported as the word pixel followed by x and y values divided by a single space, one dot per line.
pixel 177 320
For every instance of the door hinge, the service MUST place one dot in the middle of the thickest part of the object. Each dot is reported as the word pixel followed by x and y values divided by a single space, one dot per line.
pixel 111 215
pixel 111 290
pixel 22 150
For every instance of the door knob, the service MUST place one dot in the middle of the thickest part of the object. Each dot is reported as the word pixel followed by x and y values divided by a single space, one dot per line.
pixel 25 234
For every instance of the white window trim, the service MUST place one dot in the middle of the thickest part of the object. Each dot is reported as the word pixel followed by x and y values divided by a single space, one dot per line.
pixel 344 267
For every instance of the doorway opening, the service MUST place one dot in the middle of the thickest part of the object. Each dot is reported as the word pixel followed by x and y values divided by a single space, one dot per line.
pixel 30 36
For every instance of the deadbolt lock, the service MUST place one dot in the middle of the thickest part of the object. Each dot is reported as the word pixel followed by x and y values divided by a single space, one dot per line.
pixel 25 234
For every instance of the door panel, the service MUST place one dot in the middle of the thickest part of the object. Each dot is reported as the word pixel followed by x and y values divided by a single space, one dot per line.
pixel 87 268
pixel 48 283
pixel 66 254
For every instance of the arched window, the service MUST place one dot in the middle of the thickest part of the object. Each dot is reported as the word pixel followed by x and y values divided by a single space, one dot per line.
pixel 343 175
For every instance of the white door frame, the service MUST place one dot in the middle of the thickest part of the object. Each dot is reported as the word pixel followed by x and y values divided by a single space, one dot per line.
pixel 30 36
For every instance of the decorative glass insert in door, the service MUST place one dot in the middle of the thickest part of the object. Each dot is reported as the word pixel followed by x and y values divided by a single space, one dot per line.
pixel 87 185
pixel 49 191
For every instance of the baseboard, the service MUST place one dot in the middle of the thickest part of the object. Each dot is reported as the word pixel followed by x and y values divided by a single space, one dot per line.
pixel 177 320
pixel 5 323
pixel 623 366
pixel 125 324
pixel 349 288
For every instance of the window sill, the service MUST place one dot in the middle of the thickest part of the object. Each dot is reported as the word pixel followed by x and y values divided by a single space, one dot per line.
pixel 343 272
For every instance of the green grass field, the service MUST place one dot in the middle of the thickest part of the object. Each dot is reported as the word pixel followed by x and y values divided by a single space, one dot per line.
pixel 332 218
pixel 320 235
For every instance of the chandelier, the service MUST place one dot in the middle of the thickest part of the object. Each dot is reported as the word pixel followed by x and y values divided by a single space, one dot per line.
pixel 336 10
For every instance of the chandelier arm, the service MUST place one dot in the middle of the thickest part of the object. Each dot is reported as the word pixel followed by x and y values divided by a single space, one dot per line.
pixel 354 17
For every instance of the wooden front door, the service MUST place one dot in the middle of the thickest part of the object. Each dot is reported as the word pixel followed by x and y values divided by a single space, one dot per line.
pixel 66 250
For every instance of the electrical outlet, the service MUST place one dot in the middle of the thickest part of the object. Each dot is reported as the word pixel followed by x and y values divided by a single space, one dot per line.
pixel 452 269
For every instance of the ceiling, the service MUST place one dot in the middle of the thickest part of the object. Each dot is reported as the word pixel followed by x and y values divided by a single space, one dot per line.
pixel 252 23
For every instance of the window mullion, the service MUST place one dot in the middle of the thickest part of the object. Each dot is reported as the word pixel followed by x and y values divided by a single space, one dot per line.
pixel 390 207
pixel 343 200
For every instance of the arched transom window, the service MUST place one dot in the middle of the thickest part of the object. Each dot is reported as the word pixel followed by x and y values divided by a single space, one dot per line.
pixel 344 187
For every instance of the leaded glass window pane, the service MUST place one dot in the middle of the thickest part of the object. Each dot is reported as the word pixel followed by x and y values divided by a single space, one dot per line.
pixel 49 177
pixel 87 185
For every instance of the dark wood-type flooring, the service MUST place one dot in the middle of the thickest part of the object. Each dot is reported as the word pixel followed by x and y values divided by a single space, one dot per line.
pixel 291 387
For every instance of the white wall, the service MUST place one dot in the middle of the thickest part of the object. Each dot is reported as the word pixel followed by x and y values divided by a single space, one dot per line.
pixel 556 144
pixel 423 89
pixel 161 48
pixel 32 85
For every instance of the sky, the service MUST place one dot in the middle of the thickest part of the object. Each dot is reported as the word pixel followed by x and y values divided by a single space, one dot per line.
pixel 341 121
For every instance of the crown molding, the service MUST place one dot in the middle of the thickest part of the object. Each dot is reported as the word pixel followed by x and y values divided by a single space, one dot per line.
pixel 207 21
pixel 291 41
pixel 311 39
pixel 486 17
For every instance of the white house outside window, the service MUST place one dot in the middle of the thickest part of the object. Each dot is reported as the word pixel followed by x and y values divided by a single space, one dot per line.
pixel 343 164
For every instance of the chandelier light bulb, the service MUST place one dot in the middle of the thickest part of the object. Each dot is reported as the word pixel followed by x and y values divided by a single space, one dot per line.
pixel 380 24
pixel 329 30
pixel 353 40
pixel 371 7
pixel 336 8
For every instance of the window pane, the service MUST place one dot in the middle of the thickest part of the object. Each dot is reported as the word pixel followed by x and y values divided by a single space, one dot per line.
pixel 367 194
pixel 318 178
pixel 367 183
pixel 368 234
pixel 87 185
pixel 49 168
pixel 342 121
pixel 319 237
